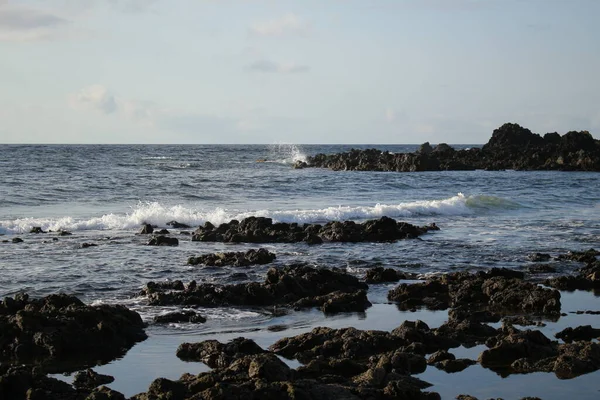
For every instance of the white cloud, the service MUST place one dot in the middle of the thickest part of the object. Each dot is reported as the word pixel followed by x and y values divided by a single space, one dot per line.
pixel 390 115
pixel 267 66
pixel 286 25
pixel 95 97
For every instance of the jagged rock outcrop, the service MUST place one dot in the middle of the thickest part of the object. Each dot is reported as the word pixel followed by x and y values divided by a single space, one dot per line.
pixel 263 230
pixel 510 147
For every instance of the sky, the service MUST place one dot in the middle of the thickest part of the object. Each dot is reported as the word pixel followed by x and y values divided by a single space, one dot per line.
pixel 302 71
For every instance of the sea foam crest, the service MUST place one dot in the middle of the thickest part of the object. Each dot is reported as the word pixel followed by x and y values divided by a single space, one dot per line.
pixel 159 214
pixel 285 153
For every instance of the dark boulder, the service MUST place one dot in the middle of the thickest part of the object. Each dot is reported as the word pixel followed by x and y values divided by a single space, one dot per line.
pixel 216 354
pixel 163 241
pixel 236 259
pixel 585 332
pixel 180 317
pixel 61 333
pixel 89 379
pixel 146 229
pixel 383 275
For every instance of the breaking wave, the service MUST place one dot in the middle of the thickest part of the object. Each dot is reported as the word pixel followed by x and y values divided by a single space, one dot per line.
pixel 159 214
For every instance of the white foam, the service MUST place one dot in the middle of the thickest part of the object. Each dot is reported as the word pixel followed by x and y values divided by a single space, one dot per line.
pixel 285 153
pixel 158 214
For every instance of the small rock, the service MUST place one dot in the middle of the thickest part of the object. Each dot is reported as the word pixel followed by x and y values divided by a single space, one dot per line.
pixel 163 241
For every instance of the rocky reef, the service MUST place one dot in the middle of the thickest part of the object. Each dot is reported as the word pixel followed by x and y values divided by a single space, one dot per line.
pixel 294 286
pixel 263 230
pixel 510 147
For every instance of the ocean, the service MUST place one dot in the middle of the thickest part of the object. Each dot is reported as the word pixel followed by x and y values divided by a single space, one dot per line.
pixel 103 193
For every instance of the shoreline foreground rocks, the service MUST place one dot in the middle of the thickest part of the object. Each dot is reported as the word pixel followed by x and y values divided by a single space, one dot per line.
pixel 510 147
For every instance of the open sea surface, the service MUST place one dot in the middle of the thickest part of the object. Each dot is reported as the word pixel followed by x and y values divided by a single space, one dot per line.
pixel 103 193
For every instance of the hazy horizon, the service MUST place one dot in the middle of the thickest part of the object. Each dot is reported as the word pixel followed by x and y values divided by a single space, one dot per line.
pixel 311 72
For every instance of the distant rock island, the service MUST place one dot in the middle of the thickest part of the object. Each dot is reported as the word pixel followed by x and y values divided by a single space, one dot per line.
pixel 510 147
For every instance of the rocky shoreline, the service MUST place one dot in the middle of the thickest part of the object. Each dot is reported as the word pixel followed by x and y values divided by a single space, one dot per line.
pixel 59 333
pixel 510 147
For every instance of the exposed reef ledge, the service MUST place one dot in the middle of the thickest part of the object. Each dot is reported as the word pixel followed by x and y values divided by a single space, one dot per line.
pixel 510 147
pixel 263 230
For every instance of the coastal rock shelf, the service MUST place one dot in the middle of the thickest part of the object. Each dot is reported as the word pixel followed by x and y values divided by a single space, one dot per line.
pixel 61 333
pixel 295 286
pixel 263 230
pixel 510 147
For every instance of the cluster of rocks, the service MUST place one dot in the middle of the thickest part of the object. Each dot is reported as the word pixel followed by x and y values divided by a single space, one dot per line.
pixel 297 286
pixel 497 290
pixel 235 259
pixel 510 147
pixel 24 382
pixel 59 332
pixel 263 230
pixel 587 277
pixel 367 365
pixel 515 351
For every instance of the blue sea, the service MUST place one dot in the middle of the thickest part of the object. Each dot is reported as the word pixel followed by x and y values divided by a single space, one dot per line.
pixel 103 193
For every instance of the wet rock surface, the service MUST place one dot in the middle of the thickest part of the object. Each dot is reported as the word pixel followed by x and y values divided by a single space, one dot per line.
pixel 161 240
pixel 61 333
pixel 383 275
pixel 89 379
pixel 510 147
pixel 500 290
pixel 244 370
pixel 235 259
pixel 296 286
pixel 180 317
pixel 263 230
pixel 586 278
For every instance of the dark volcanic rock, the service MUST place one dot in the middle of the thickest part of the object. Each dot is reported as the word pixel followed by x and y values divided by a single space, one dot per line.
pixel 294 285
pixel 26 383
pixel 180 316
pixel 216 354
pixel 17 240
pixel 510 147
pixel 146 229
pixel 163 241
pixel 585 332
pixel 431 294
pixel 513 345
pixel 62 333
pixel 263 230
pixel 587 278
pixel 36 229
pixel 499 290
pixel 236 259
pixel 382 275
pixel 337 302
pixel 89 379
pixel 457 365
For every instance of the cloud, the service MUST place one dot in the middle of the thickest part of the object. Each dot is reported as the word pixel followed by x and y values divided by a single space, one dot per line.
pixel 19 23
pixel 96 97
pixel 192 125
pixel 289 24
pixel 267 66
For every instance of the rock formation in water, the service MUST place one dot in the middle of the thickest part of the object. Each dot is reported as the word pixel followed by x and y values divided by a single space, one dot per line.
pixel 510 147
